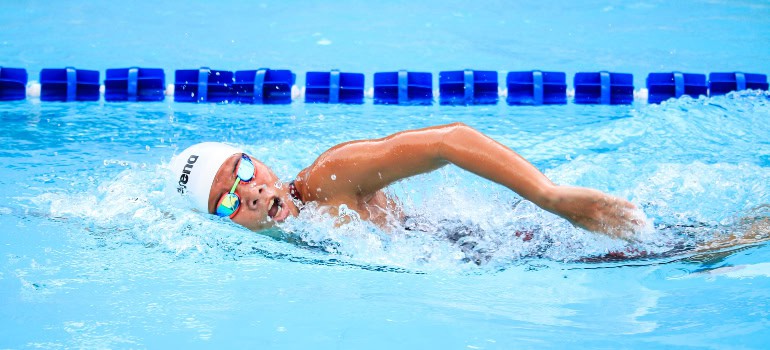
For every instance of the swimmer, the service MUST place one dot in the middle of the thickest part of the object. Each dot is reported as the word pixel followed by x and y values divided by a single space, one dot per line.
pixel 223 180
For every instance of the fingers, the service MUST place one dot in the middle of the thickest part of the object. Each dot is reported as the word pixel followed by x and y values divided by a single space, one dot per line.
pixel 624 221
pixel 603 213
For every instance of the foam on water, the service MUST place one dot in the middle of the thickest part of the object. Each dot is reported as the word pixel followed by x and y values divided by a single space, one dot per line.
pixel 694 167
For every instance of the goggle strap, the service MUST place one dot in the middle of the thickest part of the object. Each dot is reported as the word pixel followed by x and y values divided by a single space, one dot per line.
pixel 237 181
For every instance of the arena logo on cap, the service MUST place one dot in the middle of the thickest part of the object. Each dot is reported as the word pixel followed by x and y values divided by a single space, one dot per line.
pixel 185 173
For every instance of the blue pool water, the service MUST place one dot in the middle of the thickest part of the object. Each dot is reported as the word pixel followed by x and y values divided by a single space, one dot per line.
pixel 96 253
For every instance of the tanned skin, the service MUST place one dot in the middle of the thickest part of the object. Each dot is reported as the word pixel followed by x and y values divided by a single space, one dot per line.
pixel 355 174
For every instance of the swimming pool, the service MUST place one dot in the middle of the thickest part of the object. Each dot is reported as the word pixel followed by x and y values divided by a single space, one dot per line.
pixel 96 254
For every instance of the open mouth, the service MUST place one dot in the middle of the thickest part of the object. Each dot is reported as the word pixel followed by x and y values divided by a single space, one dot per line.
pixel 275 207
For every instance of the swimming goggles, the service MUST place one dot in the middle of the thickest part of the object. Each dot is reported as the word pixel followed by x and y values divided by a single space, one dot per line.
pixel 230 202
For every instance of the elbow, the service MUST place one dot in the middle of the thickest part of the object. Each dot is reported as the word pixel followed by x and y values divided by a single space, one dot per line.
pixel 453 131
pixel 457 125
pixel 460 131
pixel 452 136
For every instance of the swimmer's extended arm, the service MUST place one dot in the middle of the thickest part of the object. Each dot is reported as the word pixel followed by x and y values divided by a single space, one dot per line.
pixel 360 168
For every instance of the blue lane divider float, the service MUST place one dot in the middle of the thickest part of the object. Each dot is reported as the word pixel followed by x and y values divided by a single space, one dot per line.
pixel 203 85
pixel 13 84
pixel 723 83
pixel 334 87
pixel 536 88
pixel 663 86
pixel 403 88
pixel 604 88
pixel 264 86
pixel 69 84
pixel 467 87
pixel 134 84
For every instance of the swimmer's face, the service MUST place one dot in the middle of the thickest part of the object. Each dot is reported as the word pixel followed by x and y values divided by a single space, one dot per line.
pixel 264 200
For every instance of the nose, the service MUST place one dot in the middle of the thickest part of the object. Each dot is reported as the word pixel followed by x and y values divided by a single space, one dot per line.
pixel 254 196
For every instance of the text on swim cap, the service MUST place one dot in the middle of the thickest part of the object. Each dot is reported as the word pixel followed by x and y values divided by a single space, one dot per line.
pixel 185 173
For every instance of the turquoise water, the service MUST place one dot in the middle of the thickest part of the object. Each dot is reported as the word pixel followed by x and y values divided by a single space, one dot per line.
pixel 96 252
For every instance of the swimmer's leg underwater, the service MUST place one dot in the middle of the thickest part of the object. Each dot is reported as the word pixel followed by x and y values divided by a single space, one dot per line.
pixel 750 231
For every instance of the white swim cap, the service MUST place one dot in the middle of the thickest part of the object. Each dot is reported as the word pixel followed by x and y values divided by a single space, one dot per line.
pixel 195 168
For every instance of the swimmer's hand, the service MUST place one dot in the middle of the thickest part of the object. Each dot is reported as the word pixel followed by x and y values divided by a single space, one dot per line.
pixel 595 211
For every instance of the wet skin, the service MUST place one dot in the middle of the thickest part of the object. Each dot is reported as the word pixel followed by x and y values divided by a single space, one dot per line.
pixel 265 191
pixel 355 173
pixel 258 196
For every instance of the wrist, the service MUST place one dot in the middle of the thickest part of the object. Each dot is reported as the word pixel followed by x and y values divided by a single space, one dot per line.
pixel 549 198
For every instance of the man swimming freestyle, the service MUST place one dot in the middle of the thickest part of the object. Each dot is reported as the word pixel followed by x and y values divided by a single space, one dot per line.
pixel 222 180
